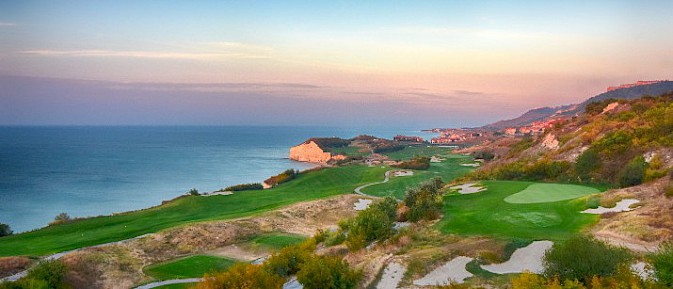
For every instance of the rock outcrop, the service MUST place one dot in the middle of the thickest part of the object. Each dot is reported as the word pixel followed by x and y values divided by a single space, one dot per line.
pixel 313 153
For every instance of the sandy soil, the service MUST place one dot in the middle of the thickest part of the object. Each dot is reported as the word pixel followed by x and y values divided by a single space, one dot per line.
pixel 523 259
pixel 238 253
pixel 362 204
pixel 392 275
pixel 452 271
pixel 622 206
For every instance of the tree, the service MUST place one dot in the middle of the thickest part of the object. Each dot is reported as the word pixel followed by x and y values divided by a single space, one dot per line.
pixel 327 272
pixel 425 202
pixel 369 225
pixel 5 230
pixel 582 257
pixel 587 164
pixel 61 219
pixel 242 275
pixel 634 172
pixel 193 192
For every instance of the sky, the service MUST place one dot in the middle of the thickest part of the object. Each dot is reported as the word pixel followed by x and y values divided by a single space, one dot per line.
pixel 399 63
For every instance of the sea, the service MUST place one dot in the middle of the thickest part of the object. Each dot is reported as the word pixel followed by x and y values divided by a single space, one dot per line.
pixel 99 170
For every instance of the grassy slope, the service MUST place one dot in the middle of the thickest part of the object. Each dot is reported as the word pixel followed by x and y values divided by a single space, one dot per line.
pixel 486 213
pixel 189 267
pixel 448 170
pixel 98 230
pixel 421 150
pixel 545 193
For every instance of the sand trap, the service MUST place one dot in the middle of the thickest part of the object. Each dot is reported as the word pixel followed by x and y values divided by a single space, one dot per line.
pixel 524 259
pixel 403 173
pixel 640 270
pixel 435 159
pixel 362 204
pixel 293 284
pixel 469 188
pixel 400 225
pixel 622 206
pixel 474 165
pixel 452 271
pixel 392 275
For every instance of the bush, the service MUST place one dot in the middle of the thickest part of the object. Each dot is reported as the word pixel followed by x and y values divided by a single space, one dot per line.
pixel 662 264
pixel 243 187
pixel 634 172
pixel 61 218
pixel 369 225
pixel 278 179
pixel 289 259
pixel 242 275
pixel 417 163
pixel 5 230
pixel 48 274
pixel 581 258
pixel 193 192
pixel 389 207
pixel 484 155
pixel 587 164
pixel 425 202
pixel 328 272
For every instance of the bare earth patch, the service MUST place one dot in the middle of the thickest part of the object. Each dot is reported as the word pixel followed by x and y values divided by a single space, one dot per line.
pixel 12 265
pixel 392 275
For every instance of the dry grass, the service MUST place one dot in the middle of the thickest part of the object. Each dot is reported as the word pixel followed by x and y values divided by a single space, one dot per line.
pixel 12 265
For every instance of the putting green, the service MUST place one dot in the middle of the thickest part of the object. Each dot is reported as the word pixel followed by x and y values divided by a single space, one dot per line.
pixel 547 193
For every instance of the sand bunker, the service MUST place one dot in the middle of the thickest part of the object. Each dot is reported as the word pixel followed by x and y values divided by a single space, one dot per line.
pixel 641 270
pixel 435 159
pixel 474 165
pixel 392 275
pixel 523 259
pixel 362 204
pixel 469 188
pixel 452 271
pixel 403 173
pixel 293 284
pixel 622 206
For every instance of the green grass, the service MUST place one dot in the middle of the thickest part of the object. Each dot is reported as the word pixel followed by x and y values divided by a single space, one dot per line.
pixel 188 267
pixel 276 241
pixel 448 170
pixel 313 185
pixel 421 150
pixel 349 151
pixel 546 193
pixel 486 213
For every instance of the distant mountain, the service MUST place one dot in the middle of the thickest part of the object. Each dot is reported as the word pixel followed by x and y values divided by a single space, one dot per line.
pixel 539 114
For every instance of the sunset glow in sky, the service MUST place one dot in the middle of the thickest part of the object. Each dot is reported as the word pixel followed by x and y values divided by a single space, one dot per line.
pixel 424 63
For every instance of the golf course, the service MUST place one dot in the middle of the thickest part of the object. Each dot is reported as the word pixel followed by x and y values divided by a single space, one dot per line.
pixel 519 210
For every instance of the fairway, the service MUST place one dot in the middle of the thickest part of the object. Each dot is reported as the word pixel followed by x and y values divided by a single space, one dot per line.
pixel 99 230
pixel 546 193
pixel 188 267
pixel 448 170
pixel 488 214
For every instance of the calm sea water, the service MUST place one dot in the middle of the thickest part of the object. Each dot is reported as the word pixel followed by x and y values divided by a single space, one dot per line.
pixel 89 171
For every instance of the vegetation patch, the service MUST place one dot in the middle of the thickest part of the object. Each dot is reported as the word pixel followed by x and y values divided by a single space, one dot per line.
pixel 546 193
pixel 276 241
pixel 190 267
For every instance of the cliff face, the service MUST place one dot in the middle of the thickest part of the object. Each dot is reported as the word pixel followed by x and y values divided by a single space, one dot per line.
pixel 309 152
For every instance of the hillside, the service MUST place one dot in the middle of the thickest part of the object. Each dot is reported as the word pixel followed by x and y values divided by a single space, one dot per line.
pixel 625 93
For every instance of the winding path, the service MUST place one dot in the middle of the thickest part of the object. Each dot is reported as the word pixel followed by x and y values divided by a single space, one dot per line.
pixel 358 190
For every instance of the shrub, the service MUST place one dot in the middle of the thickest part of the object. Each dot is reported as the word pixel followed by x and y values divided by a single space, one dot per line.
pixel 484 155
pixel 242 275
pixel 289 259
pixel 328 272
pixel 278 179
pixel 634 172
pixel 581 257
pixel 61 218
pixel 662 264
pixel 193 192
pixel 587 164
pixel 5 230
pixel 417 163
pixel 48 274
pixel 425 202
pixel 369 225
pixel 389 207
pixel 244 187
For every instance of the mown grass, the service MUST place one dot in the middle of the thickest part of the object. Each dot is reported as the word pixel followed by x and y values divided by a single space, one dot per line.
pixel 276 241
pixel 188 267
pixel 546 193
pixel 487 214
pixel 448 170
pixel 99 230
pixel 417 150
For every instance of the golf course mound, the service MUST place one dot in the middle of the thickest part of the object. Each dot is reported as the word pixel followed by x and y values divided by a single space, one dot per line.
pixel 547 193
